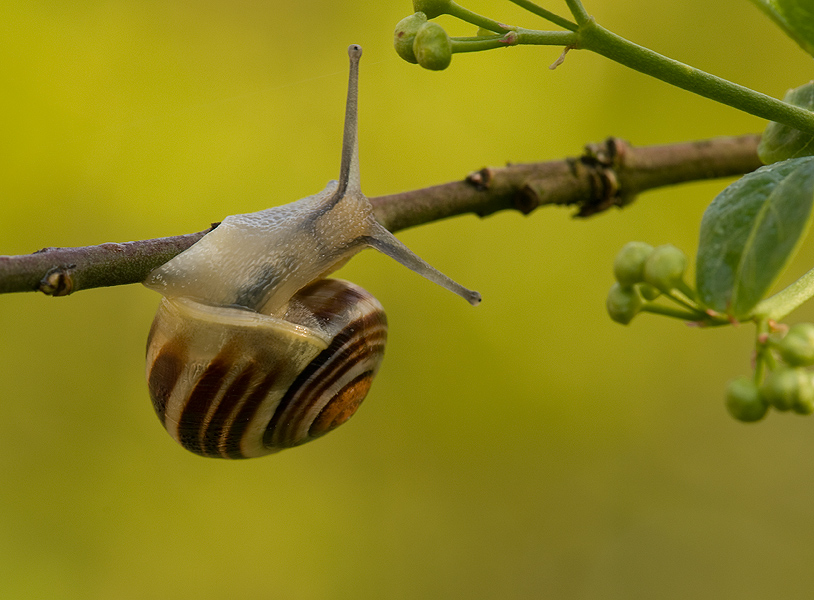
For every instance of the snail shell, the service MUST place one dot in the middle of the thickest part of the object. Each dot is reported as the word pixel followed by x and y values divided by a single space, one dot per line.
pixel 232 383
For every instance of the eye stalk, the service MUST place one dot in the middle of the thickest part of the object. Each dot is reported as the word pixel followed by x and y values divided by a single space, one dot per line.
pixel 349 168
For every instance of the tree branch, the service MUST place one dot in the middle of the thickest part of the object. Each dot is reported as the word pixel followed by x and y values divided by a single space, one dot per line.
pixel 609 174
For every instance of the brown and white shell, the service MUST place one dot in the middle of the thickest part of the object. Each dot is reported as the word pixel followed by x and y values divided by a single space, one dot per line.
pixel 232 383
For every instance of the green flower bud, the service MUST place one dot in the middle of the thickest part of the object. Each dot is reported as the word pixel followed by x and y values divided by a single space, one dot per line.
pixel 797 347
pixel 788 389
pixel 629 263
pixel 403 38
pixel 623 303
pixel 665 267
pixel 743 400
pixel 432 47
pixel 805 401
pixel 648 292
pixel 432 8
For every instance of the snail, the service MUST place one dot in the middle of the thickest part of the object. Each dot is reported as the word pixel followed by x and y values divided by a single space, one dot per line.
pixel 252 349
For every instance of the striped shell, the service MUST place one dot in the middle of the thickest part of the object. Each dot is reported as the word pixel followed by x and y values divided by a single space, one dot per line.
pixel 232 383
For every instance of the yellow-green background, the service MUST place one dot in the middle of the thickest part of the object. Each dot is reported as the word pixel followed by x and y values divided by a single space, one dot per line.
pixel 529 448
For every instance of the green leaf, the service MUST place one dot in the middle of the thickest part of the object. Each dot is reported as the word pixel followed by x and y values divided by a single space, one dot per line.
pixel 750 232
pixel 795 17
pixel 780 142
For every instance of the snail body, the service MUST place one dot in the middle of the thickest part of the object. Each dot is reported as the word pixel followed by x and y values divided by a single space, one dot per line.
pixel 252 350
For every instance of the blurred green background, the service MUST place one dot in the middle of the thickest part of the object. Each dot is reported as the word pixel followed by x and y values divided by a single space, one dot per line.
pixel 529 448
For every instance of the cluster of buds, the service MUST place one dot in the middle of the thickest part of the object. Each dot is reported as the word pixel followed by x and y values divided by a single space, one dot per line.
pixel 643 274
pixel 788 387
pixel 418 40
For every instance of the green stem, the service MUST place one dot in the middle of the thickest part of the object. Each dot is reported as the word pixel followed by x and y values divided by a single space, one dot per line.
pixel 785 301
pixel 598 39
pixel 687 291
pixel 547 15
pixel 575 6
pixel 467 44
pixel 771 361
pixel 760 370
pixel 513 38
pixel 544 38
pixel 677 313
pixel 762 352
pixel 679 300
pixel 456 10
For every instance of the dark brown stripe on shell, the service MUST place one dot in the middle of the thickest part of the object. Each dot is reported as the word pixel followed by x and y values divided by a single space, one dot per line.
pixel 231 444
pixel 335 369
pixel 373 327
pixel 327 298
pixel 200 399
pixel 211 436
pixel 302 394
pixel 164 375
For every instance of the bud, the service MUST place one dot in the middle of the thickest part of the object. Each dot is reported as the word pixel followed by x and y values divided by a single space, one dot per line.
pixel 797 347
pixel 743 400
pixel 432 47
pixel 805 402
pixel 664 268
pixel 629 263
pixel 788 389
pixel 405 33
pixel 623 303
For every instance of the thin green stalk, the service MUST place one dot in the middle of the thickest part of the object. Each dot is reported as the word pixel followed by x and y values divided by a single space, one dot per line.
pixel 456 10
pixel 760 369
pixel 785 301
pixel 598 39
pixel 679 300
pixel 762 352
pixel 771 361
pixel 512 38
pixel 543 38
pixel 677 313
pixel 575 6
pixel 468 44
pixel 687 291
pixel 547 15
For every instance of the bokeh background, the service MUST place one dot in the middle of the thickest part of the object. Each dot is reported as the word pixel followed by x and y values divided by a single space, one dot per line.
pixel 529 448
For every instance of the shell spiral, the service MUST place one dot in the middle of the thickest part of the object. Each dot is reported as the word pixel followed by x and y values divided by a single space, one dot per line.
pixel 232 383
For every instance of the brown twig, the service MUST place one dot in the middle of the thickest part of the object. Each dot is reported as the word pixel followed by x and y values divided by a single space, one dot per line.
pixel 609 174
